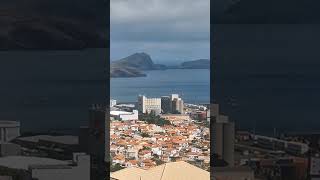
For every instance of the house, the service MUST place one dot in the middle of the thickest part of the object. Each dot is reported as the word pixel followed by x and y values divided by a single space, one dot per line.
pixel 131 163
pixel 168 171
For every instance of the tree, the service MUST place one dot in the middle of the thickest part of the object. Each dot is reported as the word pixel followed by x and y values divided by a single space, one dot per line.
pixel 146 148
pixel 176 112
pixel 115 167
pixel 145 134
pixel 152 119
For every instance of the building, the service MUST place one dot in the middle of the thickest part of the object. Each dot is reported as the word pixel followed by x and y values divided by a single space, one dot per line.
pixel 233 173
pixel 56 147
pixel 214 110
pixel 291 147
pixel 172 104
pixel 93 137
pixel 113 102
pixel 287 168
pixel 196 107
pixel 124 115
pixel 6 177
pixel 168 171
pixel 223 138
pixel 125 107
pixel 9 149
pixel 177 106
pixel 314 165
pixel 174 96
pixel 166 104
pixel 9 130
pixel 148 105
pixel 41 168
pixel 199 115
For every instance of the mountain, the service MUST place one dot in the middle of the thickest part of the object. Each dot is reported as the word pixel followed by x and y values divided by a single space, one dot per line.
pixel 140 61
pixel 53 24
pixel 135 64
pixel 196 64
pixel 125 72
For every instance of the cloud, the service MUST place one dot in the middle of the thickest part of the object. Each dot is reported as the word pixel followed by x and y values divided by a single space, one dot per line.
pixel 160 24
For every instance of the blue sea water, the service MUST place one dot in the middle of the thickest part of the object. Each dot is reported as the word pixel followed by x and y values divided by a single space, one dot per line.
pixel 192 84
pixel 51 90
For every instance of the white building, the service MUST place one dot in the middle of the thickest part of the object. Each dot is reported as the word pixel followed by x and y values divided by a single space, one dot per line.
pixel 113 102
pixel 178 105
pixel 132 153
pixel 281 145
pixel 147 105
pixel 50 169
pixel 157 151
pixel 124 115
pixel 196 107
pixel 9 130
pixel 223 138
pixel 125 106
pixel 174 96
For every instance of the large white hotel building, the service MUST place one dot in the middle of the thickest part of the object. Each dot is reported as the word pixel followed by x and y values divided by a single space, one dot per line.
pixel 147 105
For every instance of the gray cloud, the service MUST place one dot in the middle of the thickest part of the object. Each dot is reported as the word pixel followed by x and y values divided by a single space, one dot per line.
pixel 166 29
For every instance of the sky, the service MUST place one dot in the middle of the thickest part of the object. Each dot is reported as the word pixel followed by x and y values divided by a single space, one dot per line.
pixel 170 31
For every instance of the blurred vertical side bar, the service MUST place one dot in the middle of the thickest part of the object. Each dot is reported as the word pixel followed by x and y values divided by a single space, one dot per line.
pixel 213 110
pixel 54 88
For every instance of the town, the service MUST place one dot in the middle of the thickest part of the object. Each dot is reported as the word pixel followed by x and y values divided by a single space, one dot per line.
pixel 244 154
pixel 159 130
pixel 160 135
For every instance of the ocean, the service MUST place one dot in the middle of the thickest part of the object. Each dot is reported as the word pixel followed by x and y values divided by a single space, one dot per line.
pixel 51 90
pixel 192 84
pixel 267 76
pixel 267 102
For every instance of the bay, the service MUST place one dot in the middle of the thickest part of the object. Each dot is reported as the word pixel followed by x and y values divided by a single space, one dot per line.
pixel 192 84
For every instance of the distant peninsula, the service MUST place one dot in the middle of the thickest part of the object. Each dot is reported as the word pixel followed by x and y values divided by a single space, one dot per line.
pixel 135 64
